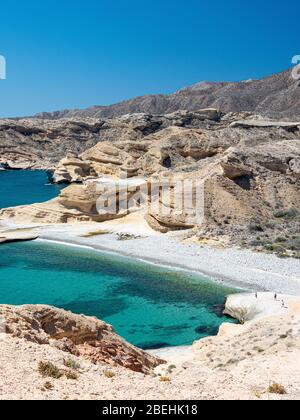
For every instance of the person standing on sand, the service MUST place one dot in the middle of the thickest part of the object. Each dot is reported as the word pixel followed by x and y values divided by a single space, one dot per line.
pixel 256 295
pixel 275 296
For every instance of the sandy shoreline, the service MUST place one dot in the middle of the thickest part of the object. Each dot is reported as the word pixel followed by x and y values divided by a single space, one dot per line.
pixel 234 267
pixel 239 268
pixel 268 340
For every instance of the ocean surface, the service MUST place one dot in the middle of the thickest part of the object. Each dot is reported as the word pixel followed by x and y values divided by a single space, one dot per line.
pixel 25 187
pixel 151 307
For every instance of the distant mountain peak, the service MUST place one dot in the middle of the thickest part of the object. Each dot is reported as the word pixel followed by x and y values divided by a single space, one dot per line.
pixel 276 96
pixel 203 85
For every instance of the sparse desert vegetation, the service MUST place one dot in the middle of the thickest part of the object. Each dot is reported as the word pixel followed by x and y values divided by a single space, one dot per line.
pixel 72 364
pixel 109 374
pixel 95 233
pixel 280 236
pixel 49 370
pixel 276 388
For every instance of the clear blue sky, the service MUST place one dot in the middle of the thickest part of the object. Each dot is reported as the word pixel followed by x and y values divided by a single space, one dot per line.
pixel 74 54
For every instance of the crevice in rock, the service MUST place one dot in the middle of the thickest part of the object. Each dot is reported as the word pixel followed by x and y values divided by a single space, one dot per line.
pixel 244 181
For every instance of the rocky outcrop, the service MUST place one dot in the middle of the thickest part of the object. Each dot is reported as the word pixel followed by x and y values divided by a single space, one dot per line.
pixel 255 361
pixel 31 143
pixel 266 123
pixel 71 169
pixel 106 199
pixel 77 335
pixel 276 96
pixel 50 212
pixel 248 166
pixel 169 148
pixel 8 237
pixel 172 148
pixel 37 143
pixel 270 330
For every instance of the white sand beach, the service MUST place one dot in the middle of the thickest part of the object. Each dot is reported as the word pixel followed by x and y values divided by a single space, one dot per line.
pixel 269 338
pixel 240 268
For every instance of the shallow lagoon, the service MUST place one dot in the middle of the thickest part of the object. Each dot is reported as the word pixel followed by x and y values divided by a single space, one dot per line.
pixel 151 307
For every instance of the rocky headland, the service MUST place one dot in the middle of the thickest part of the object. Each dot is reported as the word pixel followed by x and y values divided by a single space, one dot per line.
pixel 249 167
pixel 76 335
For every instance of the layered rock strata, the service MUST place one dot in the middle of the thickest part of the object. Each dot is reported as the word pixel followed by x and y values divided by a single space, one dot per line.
pixel 76 335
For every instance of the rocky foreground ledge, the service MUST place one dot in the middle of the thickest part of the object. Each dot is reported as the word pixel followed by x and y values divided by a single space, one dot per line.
pixel 47 353
pixel 76 335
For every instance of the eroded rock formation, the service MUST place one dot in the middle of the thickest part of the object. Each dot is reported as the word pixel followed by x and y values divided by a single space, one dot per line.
pixel 74 334
pixel 269 329
pixel 38 143
pixel 249 168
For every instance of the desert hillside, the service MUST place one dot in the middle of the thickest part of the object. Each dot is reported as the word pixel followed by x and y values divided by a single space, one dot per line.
pixel 249 167
pixel 276 96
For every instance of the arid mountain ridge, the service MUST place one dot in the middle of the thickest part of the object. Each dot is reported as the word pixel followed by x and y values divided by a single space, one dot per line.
pixel 250 167
pixel 276 96
pixel 243 141
pixel 250 163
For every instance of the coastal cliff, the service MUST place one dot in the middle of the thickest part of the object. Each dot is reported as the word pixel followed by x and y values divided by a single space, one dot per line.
pixel 240 140
pixel 248 166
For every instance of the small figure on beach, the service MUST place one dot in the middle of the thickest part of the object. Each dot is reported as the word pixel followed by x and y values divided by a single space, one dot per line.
pixel 275 296
pixel 256 295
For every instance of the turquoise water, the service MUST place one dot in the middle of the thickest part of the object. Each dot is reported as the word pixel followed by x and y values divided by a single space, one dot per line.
pixel 25 187
pixel 149 306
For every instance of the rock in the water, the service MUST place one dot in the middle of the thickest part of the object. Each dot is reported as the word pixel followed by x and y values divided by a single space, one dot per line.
pixel 6 238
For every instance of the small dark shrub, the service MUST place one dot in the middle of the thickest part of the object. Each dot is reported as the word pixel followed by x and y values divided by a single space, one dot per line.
pixel 47 369
pixel 254 227
pixel 109 374
pixel 71 364
pixel 287 214
pixel 277 389
pixel 71 375
pixel 48 386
